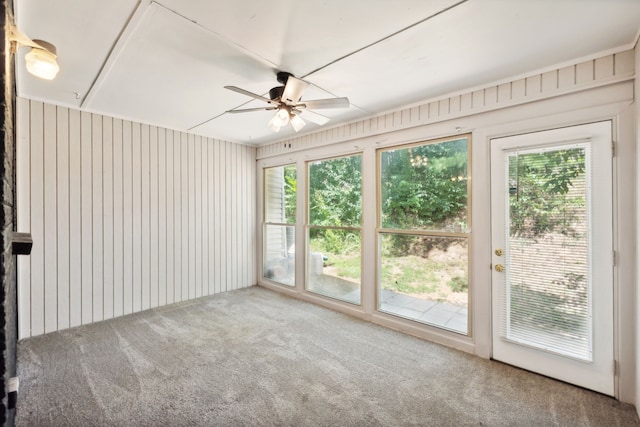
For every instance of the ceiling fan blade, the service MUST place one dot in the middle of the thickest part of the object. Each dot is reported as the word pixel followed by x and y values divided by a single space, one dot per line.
pixel 316 104
pixel 246 92
pixel 316 118
pixel 293 90
pixel 247 110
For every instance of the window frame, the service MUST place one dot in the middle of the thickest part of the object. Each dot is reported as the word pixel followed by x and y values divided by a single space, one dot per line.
pixel 285 224
pixel 308 226
pixel 466 234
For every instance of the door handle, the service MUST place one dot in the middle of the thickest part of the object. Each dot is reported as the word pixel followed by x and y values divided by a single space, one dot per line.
pixel 499 252
pixel 499 268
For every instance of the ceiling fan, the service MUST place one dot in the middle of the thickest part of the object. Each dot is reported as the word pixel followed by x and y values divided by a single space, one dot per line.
pixel 286 101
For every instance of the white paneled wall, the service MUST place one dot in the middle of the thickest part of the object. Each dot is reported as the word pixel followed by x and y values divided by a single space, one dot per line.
pixel 126 216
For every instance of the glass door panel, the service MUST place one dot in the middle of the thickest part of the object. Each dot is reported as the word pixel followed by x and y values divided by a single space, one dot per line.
pixel 552 260
pixel 548 281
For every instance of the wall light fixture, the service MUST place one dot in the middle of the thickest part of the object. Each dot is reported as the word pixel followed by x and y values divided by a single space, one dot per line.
pixel 42 60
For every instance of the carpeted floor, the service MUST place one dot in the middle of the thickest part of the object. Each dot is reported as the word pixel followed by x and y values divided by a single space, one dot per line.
pixel 255 357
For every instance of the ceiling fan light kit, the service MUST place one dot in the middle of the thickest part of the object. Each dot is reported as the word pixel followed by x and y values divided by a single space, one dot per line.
pixel 297 123
pixel 287 100
pixel 281 119
pixel 273 126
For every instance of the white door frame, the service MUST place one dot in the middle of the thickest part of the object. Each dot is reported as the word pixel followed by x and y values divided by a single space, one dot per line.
pixel 599 374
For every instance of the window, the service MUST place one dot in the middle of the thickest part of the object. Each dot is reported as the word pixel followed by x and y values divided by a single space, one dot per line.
pixel 279 224
pixel 335 212
pixel 423 232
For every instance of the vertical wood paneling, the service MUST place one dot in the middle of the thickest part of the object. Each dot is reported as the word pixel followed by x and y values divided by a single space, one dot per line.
pixel 465 103
pixel 623 62
pixel 37 218
pixel 504 92
pixel 533 85
pixel 604 67
pixel 86 207
pixel 566 77
pixel 217 227
pixel 153 221
pixel 62 214
pixel 477 100
pixel 107 215
pixel 162 218
pixel 518 89
pixel 550 81
pixel 177 214
pixel 75 220
pixel 490 96
pixel 244 247
pixel 118 220
pixel 584 72
pixel 242 172
pixel 97 217
pixel 224 212
pixel 50 219
pixel 23 220
pixel 204 159
pixel 184 215
pixel 146 216
pixel 197 214
pixel 234 214
pixel 126 216
pixel 253 216
pixel 136 289
pixel 171 246
pixel 192 217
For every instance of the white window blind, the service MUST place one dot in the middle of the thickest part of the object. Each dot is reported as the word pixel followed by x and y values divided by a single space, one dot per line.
pixel 548 277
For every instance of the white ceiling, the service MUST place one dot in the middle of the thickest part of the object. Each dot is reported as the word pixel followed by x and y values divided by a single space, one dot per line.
pixel 165 63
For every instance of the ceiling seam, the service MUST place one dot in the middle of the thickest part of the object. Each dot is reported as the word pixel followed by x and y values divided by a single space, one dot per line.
pixel 221 37
pixel 135 18
pixel 440 12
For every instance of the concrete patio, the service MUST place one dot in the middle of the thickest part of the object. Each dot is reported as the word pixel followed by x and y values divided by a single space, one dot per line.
pixel 436 313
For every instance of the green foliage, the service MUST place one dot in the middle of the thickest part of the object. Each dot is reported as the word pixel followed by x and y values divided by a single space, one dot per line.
pixel 341 248
pixel 426 265
pixel 335 192
pixel 409 275
pixel 458 284
pixel 290 193
pixel 410 288
pixel 543 194
pixel 335 241
pixel 346 266
pixel 425 187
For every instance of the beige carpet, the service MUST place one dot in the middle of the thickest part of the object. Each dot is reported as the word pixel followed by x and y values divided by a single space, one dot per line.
pixel 254 357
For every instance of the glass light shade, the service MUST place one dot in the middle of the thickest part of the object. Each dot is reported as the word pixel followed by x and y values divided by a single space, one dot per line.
pixel 42 63
pixel 297 123
pixel 282 117
pixel 273 124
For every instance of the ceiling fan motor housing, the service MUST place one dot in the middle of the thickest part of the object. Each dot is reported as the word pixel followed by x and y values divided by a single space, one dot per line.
pixel 283 76
pixel 276 93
